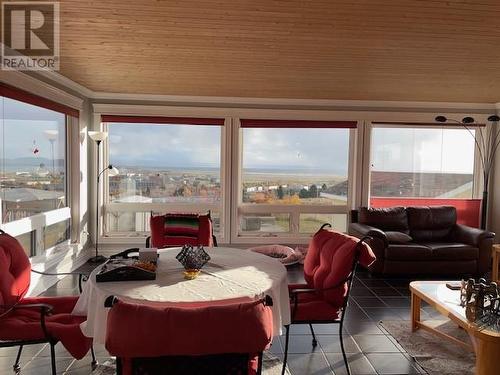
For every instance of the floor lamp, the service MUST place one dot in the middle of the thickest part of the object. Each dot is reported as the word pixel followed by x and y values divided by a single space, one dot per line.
pixel 52 137
pixel 98 137
pixel 486 146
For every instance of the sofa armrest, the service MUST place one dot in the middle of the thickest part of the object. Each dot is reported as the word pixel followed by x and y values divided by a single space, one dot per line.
pixel 362 230
pixel 378 243
pixel 471 236
pixel 479 238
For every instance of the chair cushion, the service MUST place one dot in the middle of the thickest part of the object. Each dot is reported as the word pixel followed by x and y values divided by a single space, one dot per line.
pixel 24 324
pixel 408 252
pixel 452 251
pixel 330 259
pixel 312 307
pixel 431 223
pixel 15 270
pixel 386 219
pixel 153 331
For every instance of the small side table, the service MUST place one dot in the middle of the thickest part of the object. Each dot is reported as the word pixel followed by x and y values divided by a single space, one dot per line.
pixel 495 252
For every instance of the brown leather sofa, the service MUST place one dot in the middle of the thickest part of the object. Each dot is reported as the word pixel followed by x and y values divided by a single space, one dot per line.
pixel 422 240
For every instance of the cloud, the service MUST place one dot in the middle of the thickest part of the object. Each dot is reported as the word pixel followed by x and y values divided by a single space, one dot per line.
pixel 314 149
pixel 422 150
pixel 165 145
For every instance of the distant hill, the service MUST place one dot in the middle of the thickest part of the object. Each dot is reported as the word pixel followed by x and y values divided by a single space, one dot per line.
pixel 407 184
pixel 30 161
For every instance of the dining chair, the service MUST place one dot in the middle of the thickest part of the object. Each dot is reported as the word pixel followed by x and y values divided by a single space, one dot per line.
pixel 329 268
pixel 35 320
pixel 178 229
pixel 215 338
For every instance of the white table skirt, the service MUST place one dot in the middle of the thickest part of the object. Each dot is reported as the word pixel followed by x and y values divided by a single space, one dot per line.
pixel 231 275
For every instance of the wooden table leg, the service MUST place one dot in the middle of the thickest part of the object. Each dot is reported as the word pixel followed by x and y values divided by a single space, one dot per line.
pixel 415 311
pixel 487 357
pixel 494 270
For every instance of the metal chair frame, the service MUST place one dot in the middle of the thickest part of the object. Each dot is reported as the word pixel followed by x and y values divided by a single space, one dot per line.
pixel 45 310
pixel 343 309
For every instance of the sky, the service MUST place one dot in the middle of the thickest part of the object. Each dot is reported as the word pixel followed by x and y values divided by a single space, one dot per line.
pixel 422 150
pixel 194 146
pixel 25 128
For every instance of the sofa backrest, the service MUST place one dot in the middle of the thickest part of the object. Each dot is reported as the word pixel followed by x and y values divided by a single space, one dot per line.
pixel 386 219
pixel 433 223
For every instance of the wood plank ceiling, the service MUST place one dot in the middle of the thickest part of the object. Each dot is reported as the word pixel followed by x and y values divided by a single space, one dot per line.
pixel 323 49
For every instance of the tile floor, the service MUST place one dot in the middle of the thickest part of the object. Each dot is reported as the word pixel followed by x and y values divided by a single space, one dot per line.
pixel 370 349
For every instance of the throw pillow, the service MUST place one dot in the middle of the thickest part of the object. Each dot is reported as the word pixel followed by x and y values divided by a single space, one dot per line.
pixel 398 237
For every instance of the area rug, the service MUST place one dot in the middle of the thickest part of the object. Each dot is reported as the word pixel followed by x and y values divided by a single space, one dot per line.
pixel 436 355
pixel 270 366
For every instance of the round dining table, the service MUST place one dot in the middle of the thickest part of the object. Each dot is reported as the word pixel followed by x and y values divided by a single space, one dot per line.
pixel 231 275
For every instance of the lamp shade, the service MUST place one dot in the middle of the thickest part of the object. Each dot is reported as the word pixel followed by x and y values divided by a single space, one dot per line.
pixel 98 136
pixel 113 171
pixel 51 134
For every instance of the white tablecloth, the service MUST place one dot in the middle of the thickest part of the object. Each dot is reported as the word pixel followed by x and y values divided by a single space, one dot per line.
pixel 231 274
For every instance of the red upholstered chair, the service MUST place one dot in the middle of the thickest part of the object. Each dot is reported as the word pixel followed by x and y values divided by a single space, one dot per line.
pixel 329 269
pixel 34 320
pixel 214 338
pixel 175 229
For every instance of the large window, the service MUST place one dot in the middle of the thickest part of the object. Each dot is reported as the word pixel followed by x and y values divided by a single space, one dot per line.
pixel 33 164
pixel 422 165
pixel 169 166
pixel 294 176
pixel 33 171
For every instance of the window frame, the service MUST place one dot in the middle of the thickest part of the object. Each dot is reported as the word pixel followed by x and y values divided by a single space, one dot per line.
pixel 34 225
pixel 294 235
pixel 477 167
pixel 108 207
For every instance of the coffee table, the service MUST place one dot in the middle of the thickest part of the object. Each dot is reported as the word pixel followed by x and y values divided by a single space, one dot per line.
pixel 485 342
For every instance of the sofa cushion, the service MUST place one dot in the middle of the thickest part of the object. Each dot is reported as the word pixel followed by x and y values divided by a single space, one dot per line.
pixel 397 237
pixel 452 251
pixel 408 252
pixel 432 224
pixel 386 219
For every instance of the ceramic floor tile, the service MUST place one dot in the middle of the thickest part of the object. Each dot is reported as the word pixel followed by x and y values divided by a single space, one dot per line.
pixel 361 291
pixel 358 363
pixel 391 364
pixel 375 283
pixel 309 364
pixel 300 344
pixel 389 291
pixel 377 314
pixel 369 302
pixel 331 344
pixel 399 302
pixel 375 344
pixel 362 328
pixel 41 366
